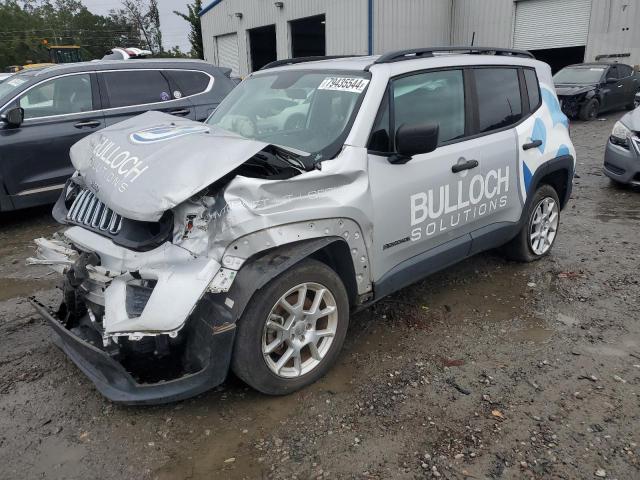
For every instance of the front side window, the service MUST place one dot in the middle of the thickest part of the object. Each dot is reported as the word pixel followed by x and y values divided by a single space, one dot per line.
pixel 59 96
pixel 625 71
pixel 305 110
pixel 423 98
pixel 433 97
pixel 136 87
pixel 499 101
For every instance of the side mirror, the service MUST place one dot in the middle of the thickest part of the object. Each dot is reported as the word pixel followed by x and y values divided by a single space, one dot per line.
pixel 611 81
pixel 14 117
pixel 415 140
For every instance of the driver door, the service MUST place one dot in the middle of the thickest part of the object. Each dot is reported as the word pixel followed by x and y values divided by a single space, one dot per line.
pixel 426 209
pixel 35 156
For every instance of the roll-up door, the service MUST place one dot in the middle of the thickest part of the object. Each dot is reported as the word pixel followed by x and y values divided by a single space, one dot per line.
pixel 227 52
pixel 542 24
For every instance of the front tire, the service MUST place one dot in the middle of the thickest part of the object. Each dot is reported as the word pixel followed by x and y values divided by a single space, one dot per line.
pixel 590 110
pixel 292 329
pixel 540 229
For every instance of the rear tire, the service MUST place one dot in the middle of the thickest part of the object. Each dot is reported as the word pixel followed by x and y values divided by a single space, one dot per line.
pixel 590 110
pixel 273 351
pixel 540 229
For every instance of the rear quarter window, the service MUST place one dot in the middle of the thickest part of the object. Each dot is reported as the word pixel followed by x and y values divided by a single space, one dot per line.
pixel 499 100
pixel 190 82
pixel 533 88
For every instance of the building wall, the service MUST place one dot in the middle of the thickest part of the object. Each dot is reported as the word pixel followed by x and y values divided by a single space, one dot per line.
pixel 492 20
pixel 397 24
pixel 346 25
pixel 614 29
pixel 402 24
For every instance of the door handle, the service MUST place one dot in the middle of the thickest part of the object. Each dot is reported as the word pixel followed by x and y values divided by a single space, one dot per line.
pixel 533 144
pixel 468 165
pixel 182 111
pixel 88 123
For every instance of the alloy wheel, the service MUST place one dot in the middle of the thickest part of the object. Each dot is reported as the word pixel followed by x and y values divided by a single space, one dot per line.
pixel 544 226
pixel 299 330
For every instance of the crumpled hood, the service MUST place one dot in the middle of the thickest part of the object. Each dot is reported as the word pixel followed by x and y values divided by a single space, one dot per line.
pixel 148 164
pixel 566 90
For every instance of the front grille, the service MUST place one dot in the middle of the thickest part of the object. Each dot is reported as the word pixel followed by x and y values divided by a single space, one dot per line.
pixel 89 211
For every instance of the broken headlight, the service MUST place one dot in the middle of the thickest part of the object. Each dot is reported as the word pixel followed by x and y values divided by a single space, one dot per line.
pixel 621 135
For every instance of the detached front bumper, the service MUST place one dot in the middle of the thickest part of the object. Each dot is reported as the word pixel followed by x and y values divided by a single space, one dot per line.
pixel 209 347
pixel 142 326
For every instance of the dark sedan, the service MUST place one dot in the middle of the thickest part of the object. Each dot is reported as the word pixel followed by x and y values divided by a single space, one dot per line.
pixel 43 111
pixel 588 89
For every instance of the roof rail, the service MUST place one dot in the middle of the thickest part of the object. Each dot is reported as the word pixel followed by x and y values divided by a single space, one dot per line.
pixel 414 53
pixel 293 61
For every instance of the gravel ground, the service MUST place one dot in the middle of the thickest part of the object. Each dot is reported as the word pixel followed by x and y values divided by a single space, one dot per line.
pixel 489 369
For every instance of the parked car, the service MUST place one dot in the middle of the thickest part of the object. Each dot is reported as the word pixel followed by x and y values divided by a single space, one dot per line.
pixel 4 76
pixel 43 111
pixel 194 248
pixel 622 154
pixel 588 89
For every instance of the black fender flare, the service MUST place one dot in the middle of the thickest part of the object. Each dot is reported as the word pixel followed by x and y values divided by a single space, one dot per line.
pixel 257 272
pixel 563 162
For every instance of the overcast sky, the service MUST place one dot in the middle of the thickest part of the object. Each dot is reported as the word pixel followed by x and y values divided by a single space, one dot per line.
pixel 174 29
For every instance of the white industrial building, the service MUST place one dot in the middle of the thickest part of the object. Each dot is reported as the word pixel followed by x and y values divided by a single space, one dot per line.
pixel 246 34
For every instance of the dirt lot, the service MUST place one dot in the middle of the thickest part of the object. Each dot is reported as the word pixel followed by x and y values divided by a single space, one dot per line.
pixel 487 370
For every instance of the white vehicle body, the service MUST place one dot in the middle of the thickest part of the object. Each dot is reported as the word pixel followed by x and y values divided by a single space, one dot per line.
pixel 385 220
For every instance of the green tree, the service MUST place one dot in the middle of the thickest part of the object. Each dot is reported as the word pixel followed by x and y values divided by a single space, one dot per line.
pixel 27 27
pixel 145 15
pixel 195 34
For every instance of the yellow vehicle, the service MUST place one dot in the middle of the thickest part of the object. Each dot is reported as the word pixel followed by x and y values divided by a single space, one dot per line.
pixel 64 53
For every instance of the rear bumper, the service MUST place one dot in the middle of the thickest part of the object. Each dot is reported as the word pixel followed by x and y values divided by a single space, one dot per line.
pixel 210 343
pixel 622 165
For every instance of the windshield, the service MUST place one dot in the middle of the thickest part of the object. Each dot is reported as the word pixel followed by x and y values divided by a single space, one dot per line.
pixel 12 83
pixel 580 75
pixel 304 110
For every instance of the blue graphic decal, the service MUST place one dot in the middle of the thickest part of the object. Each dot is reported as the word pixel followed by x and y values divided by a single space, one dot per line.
pixel 563 150
pixel 539 133
pixel 554 107
pixel 165 132
pixel 527 176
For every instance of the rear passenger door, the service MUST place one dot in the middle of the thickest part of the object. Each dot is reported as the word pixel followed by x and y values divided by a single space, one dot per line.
pixel 127 93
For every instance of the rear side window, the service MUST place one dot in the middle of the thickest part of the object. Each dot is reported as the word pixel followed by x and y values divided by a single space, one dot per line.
pixel 499 101
pixel 533 88
pixel 190 82
pixel 139 87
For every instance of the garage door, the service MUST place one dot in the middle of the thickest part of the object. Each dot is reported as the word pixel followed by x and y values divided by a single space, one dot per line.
pixel 544 24
pixel 227 52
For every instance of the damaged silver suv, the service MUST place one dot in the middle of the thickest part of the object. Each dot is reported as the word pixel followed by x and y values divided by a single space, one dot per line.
pixel 315 189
